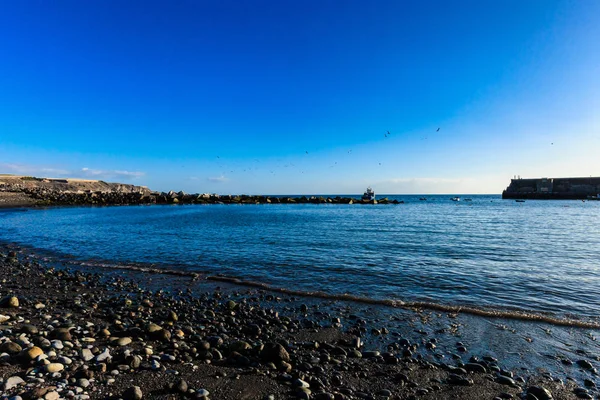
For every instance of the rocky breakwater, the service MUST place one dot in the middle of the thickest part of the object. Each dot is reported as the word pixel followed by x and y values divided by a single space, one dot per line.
pixel 58 197
pixel 74 335
pixel 30 191
pixel 184 198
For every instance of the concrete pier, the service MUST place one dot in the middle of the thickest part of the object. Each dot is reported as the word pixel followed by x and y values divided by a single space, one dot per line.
pixel 553 188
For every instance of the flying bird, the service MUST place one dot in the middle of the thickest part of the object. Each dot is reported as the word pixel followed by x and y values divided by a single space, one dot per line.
pixel 438 129
pixel 306 152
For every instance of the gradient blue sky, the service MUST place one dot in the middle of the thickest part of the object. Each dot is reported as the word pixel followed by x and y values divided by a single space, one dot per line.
pixel 229 96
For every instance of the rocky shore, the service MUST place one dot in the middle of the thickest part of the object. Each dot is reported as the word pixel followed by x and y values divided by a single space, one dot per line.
pixel 77 335
pixel 16 191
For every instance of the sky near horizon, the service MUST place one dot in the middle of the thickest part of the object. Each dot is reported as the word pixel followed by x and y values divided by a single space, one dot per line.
pixel 283 97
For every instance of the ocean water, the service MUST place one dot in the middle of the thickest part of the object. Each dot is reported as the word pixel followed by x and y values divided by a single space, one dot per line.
pixel 538 256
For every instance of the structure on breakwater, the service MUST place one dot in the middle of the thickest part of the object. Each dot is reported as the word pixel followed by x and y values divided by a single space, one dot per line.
pixel 553 188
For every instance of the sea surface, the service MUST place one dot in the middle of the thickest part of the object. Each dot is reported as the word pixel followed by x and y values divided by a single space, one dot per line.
pixel 537 256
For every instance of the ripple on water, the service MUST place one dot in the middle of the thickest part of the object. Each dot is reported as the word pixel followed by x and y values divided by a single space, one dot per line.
pixel 539 256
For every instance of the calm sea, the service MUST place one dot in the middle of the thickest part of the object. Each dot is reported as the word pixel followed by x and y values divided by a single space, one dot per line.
pixel 541 256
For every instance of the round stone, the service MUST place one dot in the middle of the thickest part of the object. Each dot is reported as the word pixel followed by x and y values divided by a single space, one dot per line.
pixel 54 367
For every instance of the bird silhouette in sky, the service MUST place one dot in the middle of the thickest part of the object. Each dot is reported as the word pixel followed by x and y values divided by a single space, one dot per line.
pixel 438 129
pixel 306 152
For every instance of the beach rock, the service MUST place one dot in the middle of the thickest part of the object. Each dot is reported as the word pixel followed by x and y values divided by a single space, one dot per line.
pixel 65 360
pixel 582 393
pixel 54 367
pixel 231 305
pixel 162 335
pixel 153 328
pixel 133 393
pixel 202 394
pixel 29 329
pixel 4 318
pixel 505 380
pixel 52 396
pixel 9 302
pixel 274 352
pixel 299 383
pixel 539 392
pixel 135 362
pixel 61 334
pixel 12 382
pixel 32 353
pixel 585 364
pixel 86 355
pixel 303 393
pixel 10 348
pixel 454 379
pixel 239 346
pixel 181 386
pixel 105 355
pixel 123 341
pixel 474 367
pixel 371 354
pixel 83 382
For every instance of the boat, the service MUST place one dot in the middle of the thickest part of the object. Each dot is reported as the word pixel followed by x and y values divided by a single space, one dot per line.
pixel 423 199
pixel 520 201
pixel 369 194
pixel 455 198
pixel 597 197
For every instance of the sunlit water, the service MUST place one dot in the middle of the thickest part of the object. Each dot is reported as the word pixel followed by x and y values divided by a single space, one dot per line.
pixel 542 256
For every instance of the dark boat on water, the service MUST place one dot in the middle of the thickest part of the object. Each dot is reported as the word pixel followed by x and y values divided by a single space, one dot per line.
pixel 369 194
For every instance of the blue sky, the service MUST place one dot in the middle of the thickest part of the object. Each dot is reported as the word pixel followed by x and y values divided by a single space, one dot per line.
pixel 297 97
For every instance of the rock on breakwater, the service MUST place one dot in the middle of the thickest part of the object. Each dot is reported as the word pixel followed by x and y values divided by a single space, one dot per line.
pixel 99 336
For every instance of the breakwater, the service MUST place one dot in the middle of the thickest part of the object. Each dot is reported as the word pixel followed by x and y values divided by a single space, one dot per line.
pixel 73 192
pixel 553 188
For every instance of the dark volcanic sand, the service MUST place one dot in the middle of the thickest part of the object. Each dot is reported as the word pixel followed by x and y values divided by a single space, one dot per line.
pixel 235 345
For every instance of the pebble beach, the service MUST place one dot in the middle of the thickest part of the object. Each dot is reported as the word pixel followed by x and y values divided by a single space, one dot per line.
pixel 70 334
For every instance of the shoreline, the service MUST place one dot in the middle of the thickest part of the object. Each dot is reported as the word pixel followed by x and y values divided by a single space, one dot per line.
pixel 319 337
pixel 493 313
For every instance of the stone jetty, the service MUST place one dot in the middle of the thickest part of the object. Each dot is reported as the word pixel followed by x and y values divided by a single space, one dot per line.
pixel 30 191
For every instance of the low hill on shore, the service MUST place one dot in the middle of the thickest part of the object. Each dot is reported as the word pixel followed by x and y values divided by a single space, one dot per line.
pixel 22 191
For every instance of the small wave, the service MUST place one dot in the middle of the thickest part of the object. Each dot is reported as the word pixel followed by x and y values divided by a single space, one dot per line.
pixel 410 305
pixel 137 268
pixel 415 305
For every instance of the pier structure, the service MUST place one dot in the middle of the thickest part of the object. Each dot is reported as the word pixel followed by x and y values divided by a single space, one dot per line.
pixel 553 188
